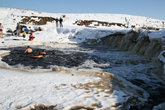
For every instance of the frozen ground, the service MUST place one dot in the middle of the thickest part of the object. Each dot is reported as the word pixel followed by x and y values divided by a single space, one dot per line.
pixel 63 90
pixel 88 85
pixel 66 89
pixel 22 89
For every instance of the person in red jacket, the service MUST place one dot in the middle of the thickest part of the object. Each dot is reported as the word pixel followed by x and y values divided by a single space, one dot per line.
pixel 31 37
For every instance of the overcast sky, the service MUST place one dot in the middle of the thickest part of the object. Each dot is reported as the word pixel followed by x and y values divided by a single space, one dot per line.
pixel 149 8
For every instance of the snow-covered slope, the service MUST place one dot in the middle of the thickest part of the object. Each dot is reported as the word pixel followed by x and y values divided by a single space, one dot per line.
pixel 72 33
pixel 8 14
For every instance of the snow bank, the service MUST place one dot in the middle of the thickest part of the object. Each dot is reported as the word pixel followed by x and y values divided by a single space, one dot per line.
pixel 19 88
pixel 162 58
pixel 71 32
pixel 66 89
pixel 75 34
pixel 157 34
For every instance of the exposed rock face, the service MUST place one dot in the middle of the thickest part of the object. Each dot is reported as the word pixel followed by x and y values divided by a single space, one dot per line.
pixel 35 20
pixel 131 42
pixel 87 23
pixel 95 23
pixel 151 48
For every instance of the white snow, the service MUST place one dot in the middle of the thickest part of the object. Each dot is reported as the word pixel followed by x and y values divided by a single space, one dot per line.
pixel 72 33
pixel 51 88
pixel 26 89
pixel 157 34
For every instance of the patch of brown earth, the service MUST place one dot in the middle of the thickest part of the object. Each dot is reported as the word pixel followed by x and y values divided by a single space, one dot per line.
pixel 38 107
pixel 87 23
pixel 96 23
pixel 38 21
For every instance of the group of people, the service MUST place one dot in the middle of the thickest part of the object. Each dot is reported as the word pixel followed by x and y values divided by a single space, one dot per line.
pixel 25 31
pixel 22 29
pixel 60 21
pixel 40 55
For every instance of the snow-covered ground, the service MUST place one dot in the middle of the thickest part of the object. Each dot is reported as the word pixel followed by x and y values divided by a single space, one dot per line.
pixel 71 32
pixel 68 89
pixel 22 89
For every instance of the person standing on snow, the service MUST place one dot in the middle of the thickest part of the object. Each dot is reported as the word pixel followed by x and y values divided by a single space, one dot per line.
pixel 56 22
pixel 18 29
pixel 61 20
pixel 1 30
pixel 24 34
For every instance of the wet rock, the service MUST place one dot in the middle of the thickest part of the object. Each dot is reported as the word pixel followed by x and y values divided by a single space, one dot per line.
pixel 155 90
pixel 40 21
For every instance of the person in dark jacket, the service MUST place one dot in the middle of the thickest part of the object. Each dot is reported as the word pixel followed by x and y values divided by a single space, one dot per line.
pixel 61 20
pixel 27 30
pixel 18 29
pixel 56 22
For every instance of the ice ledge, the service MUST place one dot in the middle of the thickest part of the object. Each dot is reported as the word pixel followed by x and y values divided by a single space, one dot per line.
pixel 4 53
pixel 162 58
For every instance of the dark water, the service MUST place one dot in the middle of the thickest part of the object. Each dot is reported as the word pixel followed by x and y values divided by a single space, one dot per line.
pixel 53 57
pixel 134 68
pixel 156 91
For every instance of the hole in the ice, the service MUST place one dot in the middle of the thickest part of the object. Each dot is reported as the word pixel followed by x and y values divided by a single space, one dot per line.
pixel 53 57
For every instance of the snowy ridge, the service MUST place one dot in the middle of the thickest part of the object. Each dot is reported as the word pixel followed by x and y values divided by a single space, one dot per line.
pixel 71 18
pixel 71 32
